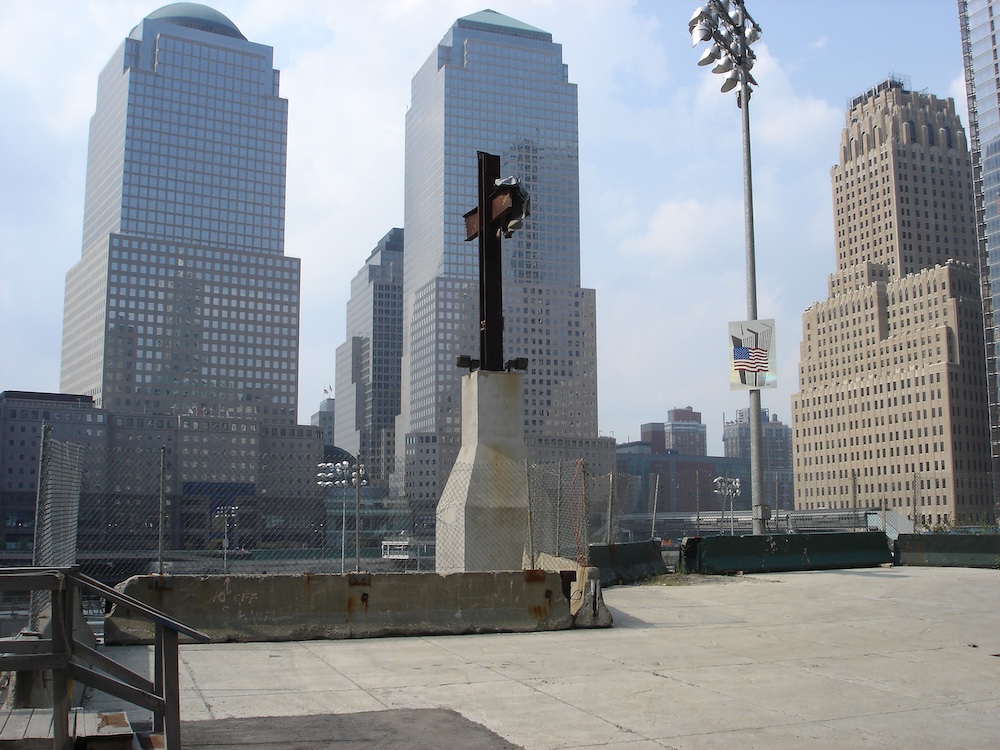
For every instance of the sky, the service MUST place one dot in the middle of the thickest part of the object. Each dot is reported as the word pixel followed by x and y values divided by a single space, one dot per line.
pixel 661 171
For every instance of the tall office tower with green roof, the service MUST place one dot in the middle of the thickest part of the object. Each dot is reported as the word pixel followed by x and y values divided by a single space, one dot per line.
pixel 181 317
pixel 183 302
pixel 497 85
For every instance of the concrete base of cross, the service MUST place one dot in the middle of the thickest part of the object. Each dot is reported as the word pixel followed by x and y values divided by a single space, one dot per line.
pixel 482 517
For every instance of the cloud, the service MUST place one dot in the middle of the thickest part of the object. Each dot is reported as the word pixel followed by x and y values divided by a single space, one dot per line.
pixel 682 233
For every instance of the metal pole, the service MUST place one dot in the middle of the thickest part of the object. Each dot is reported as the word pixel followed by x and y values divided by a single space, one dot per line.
pixel 697 503
pixel 586 512
pixel 163 502
pixel 531 530
pixel 756 430
pixel 656 493
pixel 558 506
pixel 357 517
pixel 854 495
pixel 343 528
pixel 611 497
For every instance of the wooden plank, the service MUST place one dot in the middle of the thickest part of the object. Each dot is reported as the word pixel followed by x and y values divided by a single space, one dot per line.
pixel 40 724
pixel 171 690
pixel 31 662
pixel 118 689
pixel 16 724
pixel 26 646
pixel 104 724
pixel 30 579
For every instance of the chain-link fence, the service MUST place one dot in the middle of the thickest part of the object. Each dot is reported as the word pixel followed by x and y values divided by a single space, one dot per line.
pixel 509 516
pixel 56 512
pixel 134 511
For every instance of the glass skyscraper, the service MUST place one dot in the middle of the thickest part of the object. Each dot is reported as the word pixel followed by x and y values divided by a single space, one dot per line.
pixel 183 301
pixel 497 85
pixel 368 361
pixel 978 21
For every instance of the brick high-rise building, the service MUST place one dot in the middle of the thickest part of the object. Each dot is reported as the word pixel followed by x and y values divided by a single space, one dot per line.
pixel 683 433
pixel 892 403
pixel 776 453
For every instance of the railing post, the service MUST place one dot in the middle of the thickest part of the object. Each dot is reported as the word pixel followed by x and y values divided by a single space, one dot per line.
pixel 60 675
pixel 158 673
pixel 171 690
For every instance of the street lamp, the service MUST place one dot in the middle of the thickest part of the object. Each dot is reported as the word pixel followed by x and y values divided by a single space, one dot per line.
pixel 729 30
pixel 730 488
pixel 358 478
pixel 340 474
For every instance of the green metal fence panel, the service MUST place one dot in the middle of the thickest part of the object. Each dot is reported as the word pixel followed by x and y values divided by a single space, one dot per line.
pixel 777 552
pixel 628 562
pixel 949 550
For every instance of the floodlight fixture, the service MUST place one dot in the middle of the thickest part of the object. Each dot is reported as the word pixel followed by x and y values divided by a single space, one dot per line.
pixel 701 32
pixel 465 362
pixel 724 65
pixel 519 363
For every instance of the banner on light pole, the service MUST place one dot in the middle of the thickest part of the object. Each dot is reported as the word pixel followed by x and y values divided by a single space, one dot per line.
pixel 752 365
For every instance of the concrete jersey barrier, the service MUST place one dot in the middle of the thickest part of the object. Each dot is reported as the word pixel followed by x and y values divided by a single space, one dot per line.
pixel 357 605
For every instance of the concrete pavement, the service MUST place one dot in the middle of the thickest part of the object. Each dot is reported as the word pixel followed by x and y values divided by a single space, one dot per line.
pixel 876 658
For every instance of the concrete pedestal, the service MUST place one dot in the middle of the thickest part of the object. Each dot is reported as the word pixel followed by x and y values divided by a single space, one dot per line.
pixel 482 517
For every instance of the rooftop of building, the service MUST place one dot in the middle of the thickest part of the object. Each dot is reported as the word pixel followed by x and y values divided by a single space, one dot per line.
pixel 490 20
pixel 901 657
pixel 197 16
pixel 65 398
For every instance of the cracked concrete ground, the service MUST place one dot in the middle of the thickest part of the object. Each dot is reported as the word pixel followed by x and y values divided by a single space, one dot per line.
pixel 874 658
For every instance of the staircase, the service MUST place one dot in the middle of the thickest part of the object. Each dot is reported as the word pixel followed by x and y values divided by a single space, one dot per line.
pixel 64 659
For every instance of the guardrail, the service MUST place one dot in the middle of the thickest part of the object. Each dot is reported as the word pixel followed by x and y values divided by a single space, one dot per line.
pixel 71 659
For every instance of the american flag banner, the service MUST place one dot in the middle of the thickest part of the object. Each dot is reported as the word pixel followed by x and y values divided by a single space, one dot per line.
pixel 753 362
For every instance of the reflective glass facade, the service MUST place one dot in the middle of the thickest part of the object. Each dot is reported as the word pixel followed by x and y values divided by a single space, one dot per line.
pixel 496 85
pixel 367 385
pixel 978 22
pixel 183 301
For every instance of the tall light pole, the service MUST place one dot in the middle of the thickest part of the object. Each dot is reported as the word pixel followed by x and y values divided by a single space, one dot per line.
pixel 729 30
pixel 340 474
pixel 358 479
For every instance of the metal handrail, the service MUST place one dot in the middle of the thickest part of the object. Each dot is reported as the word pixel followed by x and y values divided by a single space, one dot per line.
pixel 70 659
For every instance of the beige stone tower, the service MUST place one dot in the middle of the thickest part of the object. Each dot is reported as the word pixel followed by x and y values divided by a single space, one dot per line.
pixel 892 404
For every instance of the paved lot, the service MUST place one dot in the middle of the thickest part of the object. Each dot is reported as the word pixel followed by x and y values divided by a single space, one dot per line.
pixel 882 658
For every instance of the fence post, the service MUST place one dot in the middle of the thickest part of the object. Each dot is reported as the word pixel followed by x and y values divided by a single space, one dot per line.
pixel 697 503
pixel 42 508
pixel 656 494
pixel 558 508
pixel 531 528
pixel 41 546
pixel 586 512
pixel 163 503
pixel 611 498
